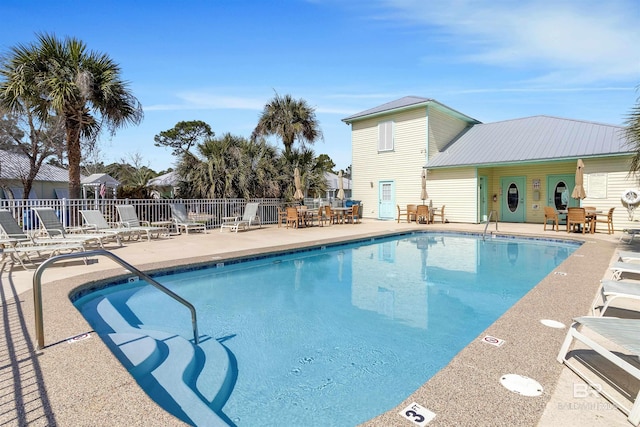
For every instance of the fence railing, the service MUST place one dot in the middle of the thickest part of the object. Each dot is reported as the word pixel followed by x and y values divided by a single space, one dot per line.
pixel 208 211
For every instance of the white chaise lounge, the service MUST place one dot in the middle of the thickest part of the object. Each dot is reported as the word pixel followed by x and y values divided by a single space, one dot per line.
pixel 249 218
pixel 624 333
pixel 619 268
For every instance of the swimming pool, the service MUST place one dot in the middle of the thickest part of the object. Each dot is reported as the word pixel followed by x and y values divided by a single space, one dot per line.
pixel 331 336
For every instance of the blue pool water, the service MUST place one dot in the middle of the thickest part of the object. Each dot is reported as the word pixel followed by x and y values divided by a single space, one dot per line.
pixel 326 337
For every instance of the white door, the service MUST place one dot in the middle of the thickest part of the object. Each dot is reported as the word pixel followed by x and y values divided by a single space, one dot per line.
pixel 386 196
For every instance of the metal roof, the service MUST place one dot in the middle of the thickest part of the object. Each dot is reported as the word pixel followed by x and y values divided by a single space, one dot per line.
pixel 169 179
pixel 96 179
pixel 16 165
pixel 406 103
pixel 531 139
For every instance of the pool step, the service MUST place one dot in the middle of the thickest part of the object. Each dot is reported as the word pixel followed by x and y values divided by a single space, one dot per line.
pixel 193 377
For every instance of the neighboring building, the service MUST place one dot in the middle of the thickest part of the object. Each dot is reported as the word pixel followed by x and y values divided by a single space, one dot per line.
pixel 514 167
pixel 51 181
pixel 99 185
pixel 333 186
pixel 164 186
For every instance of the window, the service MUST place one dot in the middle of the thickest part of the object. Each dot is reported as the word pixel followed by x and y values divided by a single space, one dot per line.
pixel 385 136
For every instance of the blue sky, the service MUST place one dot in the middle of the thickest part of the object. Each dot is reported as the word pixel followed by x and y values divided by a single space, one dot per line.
pixel 222 61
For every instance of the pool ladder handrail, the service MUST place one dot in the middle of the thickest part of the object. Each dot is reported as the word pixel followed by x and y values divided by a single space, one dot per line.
pixel 489 222
pixel 37 289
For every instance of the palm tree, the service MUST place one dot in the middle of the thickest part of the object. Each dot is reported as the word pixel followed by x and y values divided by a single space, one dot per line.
pixel 311 173
pixel 230 166
pixel 632 133
pixel 83 87
pixel 289 119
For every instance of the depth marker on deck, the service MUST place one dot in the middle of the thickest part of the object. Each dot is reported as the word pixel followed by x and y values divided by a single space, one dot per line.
pixel 417 414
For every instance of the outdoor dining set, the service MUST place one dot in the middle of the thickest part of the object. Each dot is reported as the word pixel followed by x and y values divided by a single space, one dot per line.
pixel 582 219
pixel 303 216
pixel 422 214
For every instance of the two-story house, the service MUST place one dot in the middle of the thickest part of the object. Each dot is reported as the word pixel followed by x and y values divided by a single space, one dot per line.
pixel 513 167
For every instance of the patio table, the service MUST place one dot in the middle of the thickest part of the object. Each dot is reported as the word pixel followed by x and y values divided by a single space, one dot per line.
pixel 341 213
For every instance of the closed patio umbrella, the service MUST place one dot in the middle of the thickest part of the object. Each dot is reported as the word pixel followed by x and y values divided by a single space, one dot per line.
pixel 298 195
pixel 578 190
pixel 424 196
pixel 340 187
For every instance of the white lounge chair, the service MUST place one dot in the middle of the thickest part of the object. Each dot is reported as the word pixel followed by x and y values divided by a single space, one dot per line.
pixel 249 218
pixel 22 248
pixel 613 289
pixel 631 232
pixel 624 333
pixel 628 256
pixel 95 221
pixel 51 226
pixel 129 219
pixel 24 253
pixel 619 268
pixel 182 221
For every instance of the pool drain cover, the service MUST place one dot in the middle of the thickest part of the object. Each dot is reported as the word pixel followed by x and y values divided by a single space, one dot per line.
pixel 522 385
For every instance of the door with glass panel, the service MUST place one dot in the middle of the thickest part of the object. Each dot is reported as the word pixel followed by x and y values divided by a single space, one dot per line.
pixel 512 200
pixel 386 197
pixel 559 189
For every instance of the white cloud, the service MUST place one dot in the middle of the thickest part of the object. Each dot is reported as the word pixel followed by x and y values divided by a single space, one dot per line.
pixel 201 100
pixel 579 41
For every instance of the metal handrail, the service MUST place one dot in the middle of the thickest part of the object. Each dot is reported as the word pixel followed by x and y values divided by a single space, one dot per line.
pixel 37 289
pixel 489 222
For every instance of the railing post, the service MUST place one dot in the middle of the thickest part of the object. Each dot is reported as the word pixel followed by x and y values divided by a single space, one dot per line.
pixel 37 290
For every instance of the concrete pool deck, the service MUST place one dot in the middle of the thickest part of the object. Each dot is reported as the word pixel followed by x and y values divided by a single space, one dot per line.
pixel 83 384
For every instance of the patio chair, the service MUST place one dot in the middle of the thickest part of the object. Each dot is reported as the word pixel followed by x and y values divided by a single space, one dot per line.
pixel 129 220
pixel 95 221
pixel 613 289
pixel 332 215
pixel 631 232
pixel 577 217
pixel 438 212
pixel 628 256
pixel 411 213
pixel 608 221
pixel 24 253
pixel 619 268
pixel 282 216
pixel 353 215
pixel 624 333
pixel 322 215
pixel 550 214
pixel 422 214
pixel 182 221
pixel 22 248
pixel 401 213
pixel 292 217
pixel 51 226
pixel 249 218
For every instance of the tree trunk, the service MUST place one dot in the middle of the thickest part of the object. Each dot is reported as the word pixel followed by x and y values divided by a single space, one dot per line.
pixel 74 155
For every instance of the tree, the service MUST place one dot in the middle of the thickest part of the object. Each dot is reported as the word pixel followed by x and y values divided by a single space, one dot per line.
pixel 291 120
pixel 324 162
pixel 230 166
pixel 311 173
pixel 84 88
pixel 632 134
pixel 36 139
pixel 183 136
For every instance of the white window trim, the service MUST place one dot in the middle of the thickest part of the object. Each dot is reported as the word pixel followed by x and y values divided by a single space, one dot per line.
pixel 386 131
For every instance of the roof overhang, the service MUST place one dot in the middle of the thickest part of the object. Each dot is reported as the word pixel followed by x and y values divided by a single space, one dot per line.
pixel 528 162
